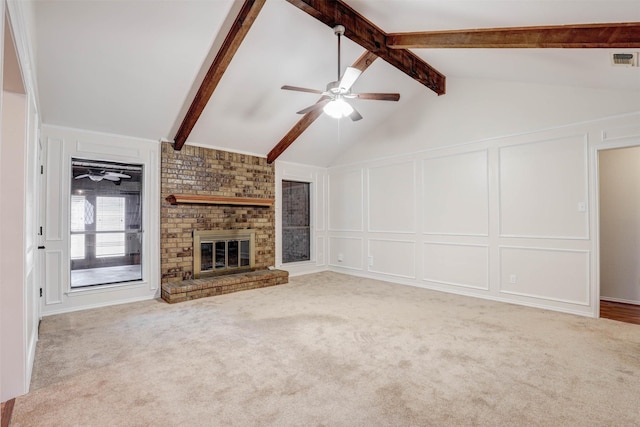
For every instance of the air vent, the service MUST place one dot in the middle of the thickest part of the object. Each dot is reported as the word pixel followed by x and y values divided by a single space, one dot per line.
pixel 627 59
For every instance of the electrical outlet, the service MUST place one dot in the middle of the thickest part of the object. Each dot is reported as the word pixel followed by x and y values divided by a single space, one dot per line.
pixel 340 257
pixel 513 279
pixel 370 261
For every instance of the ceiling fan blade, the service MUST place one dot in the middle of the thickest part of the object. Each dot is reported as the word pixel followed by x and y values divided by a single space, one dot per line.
pixel 118 174
pixel 378 96
pixel 355 116
pixel 349 78
pixel 111 178
pixel 318 105
pixel 86 175
pixel 302 89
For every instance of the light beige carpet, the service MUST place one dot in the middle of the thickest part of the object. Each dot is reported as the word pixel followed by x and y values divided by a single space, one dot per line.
pixel 332 350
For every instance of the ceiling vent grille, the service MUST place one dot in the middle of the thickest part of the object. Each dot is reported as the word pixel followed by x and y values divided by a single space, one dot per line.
pixel 627 59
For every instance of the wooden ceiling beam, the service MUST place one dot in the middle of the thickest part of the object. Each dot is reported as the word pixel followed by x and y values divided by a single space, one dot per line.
pixel 616 35
pixel 361 64
pixel 243 22
pixel 366 34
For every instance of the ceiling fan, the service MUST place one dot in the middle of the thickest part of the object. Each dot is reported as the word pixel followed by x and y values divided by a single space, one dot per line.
pixel 333 101
pixel 99 175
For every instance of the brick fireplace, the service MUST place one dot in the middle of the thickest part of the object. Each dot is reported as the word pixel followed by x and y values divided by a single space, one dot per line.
pixel 201 171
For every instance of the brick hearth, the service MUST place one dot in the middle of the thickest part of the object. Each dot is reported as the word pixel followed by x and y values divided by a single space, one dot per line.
pixel 199 288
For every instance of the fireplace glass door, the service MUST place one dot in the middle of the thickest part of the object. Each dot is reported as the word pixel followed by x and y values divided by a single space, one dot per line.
pixel 222 252
pixel 227 254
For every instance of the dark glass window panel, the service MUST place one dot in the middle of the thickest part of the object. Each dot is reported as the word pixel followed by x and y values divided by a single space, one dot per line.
pixel 296 245
pixel 244 254
pixel 233 254
pixel 221 261
pixel 206 256
pixel 296 221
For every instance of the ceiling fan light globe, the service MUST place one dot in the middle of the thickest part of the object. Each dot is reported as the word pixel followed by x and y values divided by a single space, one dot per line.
pixel 338 109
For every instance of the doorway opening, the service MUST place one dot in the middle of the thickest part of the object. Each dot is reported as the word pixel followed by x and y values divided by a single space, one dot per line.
pixel 619 233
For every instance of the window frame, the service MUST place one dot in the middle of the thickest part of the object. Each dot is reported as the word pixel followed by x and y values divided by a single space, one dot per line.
pixel 310 225
pixel 91 236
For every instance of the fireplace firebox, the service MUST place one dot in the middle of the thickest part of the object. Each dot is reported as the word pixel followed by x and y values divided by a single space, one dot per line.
pixel 218 252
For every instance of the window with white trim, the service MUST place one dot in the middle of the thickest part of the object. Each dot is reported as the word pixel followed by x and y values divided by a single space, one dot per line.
pixel 106 223
pixel 296 221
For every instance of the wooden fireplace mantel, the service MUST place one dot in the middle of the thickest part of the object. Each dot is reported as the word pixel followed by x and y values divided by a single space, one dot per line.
pixel 175 199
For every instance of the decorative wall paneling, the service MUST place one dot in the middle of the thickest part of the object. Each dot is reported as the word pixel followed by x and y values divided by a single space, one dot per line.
pixel 346 252
pixel 320 250
pixel 61 145
pixel 523 205
pixel 392 257
pixel 620 133
pixel 54 273
pixel 391 202
pixel 116 150
pixel 54 193
pixel 462 265
pixel 346 198
pixel 560 275
pixel 456 194
pixel 544 189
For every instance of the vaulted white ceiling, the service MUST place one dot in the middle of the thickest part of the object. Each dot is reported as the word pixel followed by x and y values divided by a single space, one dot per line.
pixel 128 67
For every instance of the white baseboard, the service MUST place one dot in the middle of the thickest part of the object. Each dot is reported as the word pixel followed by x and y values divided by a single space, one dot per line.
pixel 99 305
pixel 485 296
pixel 621 300
pixel 31 358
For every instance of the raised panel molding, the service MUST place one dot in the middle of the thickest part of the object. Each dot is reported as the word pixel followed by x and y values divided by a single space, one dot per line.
pixel 559 275
pixel 457 264
pixel 398 255
pixel 456 194
pixel 54 191
pixel 623 132
pixel 320 250
pixel 348 196
pixel 320 197
pixel 153 219
pixel 392 198
pixel 117 150
pixel 351 250
pixel 53 265
pixel 529 200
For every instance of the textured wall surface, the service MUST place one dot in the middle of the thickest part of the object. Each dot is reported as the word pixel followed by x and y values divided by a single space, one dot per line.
pixel 203 171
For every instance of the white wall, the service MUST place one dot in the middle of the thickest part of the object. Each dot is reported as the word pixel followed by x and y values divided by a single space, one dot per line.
pixel 507 219
pixel 317 178
pixel 19 299
pixel 475 110
pixel 12 241
pixel 619 172
pixel 61 145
